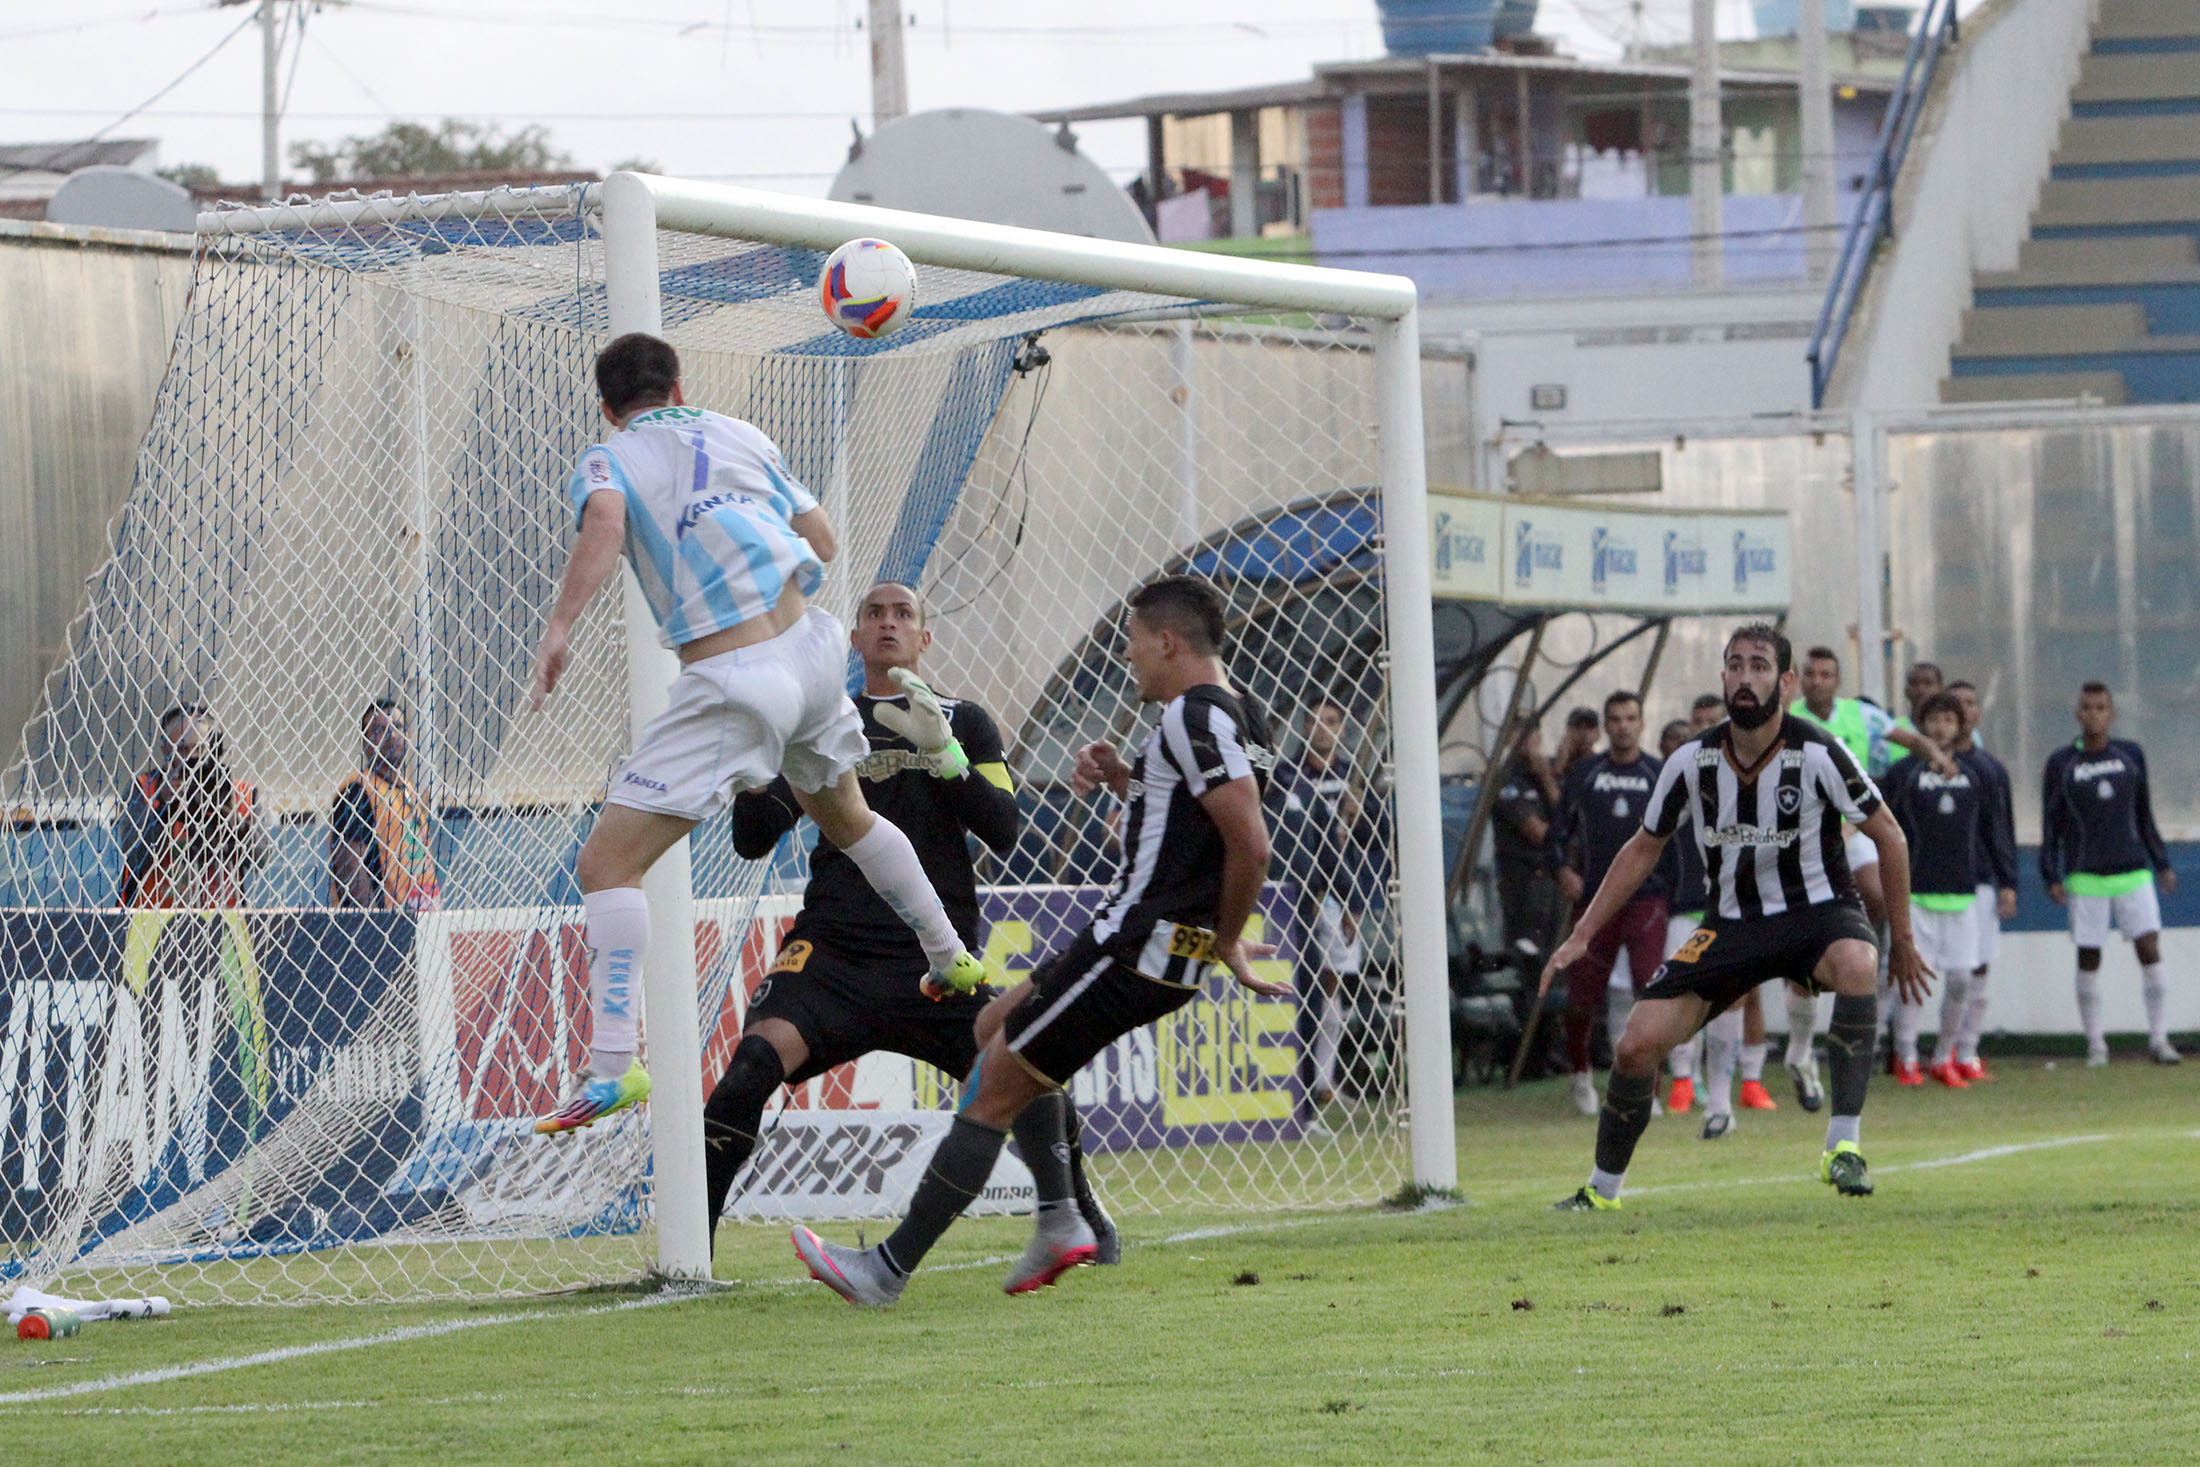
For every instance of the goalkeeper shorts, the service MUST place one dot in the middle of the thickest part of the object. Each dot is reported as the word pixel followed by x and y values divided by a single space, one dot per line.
pixel 738 720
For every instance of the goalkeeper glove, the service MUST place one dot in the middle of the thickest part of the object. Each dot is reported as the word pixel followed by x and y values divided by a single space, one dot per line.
pixel 924 724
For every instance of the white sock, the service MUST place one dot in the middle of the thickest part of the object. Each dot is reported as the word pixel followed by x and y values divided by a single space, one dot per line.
pixel 618 944
pixel 1753 1060
pixel 1844 1128
pixel 1721 1038
pixel 1909 1018
pixel 1974 1020
pixel 1681 1059
pixel 2089 1007
pixel 890 864
pixel 1605 1184
pixel 1802 1026
pixel 1328 1029
pixel 1955 1001
pixel 2157 994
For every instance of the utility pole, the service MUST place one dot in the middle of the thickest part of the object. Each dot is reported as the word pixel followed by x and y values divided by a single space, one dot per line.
pixel 271 121
pixel 1814 98
pixel 1706 148
pixel 889 77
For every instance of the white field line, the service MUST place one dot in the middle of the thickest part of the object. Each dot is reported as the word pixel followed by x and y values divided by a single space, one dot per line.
pixel 408 1333
pixel 1990 1153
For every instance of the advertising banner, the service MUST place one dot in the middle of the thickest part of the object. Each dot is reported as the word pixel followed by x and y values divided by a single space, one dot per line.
pixel 1536 553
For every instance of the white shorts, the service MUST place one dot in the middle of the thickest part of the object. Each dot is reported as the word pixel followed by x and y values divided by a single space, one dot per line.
pixel 1986 928
pixel 2135 914
pixel 1947 941
pixel 738 720
pixel 1860 849
pixel 1339 954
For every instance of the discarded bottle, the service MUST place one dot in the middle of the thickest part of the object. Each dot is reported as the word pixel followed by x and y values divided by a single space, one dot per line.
pixel 48 1324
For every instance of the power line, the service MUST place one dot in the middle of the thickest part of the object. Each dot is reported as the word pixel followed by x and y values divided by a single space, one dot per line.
pixel 181 77
pixel 1243 30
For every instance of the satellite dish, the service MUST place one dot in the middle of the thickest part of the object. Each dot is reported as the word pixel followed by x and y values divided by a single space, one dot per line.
pixel 122 198
pixel 993 167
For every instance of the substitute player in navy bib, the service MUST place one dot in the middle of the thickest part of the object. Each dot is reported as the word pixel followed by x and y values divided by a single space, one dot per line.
pixel 1766 793
pixel 2102 856
pixel 847 979
pixel 1195 852
pixel 727 548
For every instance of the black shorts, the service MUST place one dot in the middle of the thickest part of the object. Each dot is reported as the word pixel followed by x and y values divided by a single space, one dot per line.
pixel 846 1007
pixel 1726 957
pixel 1081 1001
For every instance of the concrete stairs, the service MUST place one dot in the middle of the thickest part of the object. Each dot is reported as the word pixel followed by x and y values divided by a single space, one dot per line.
pixel 2105 299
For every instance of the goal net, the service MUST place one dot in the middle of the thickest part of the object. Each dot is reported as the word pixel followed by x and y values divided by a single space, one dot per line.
pixel 264 1038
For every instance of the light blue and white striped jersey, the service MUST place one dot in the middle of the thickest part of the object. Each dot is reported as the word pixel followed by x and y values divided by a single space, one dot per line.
pixel 708 506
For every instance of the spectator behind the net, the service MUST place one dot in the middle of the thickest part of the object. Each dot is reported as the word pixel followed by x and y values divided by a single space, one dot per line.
pixel 190 828
pixel 1577 743
pixel 1520 824
pixel 1333 868
pixel 381 849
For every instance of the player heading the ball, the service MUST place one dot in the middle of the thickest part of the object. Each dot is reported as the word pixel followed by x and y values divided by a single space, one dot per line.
pixel 727 547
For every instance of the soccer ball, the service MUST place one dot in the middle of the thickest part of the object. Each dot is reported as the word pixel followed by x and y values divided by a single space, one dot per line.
pixel 868 288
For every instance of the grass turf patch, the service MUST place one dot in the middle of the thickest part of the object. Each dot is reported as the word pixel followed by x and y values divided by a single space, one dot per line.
pixel 2021 1288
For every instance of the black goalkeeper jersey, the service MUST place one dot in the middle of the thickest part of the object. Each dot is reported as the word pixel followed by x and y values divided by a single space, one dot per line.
pixel 839 908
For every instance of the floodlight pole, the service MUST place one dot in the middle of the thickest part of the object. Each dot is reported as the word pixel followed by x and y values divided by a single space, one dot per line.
pixel 668 979
pixel 1420 846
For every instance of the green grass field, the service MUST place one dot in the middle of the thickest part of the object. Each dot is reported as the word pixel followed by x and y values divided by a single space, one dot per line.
pixel 2023 1289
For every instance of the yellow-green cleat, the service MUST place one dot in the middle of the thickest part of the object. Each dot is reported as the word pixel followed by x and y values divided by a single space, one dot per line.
pixel 595 1100
pixel 1844 1168
pixel 959 977
pixel 1588 1199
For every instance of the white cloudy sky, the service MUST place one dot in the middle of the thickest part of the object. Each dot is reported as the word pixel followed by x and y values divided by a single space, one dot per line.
pixel 756 90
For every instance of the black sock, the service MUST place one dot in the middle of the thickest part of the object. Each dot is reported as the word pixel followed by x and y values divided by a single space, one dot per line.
pixel 1040 1139
pixel 1074 1133
pixel 958 1172
pixel 731 1117
pixel 1626 1115
pixel 1849 1042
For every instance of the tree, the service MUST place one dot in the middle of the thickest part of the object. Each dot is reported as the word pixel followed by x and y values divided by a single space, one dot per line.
pixel 410 149
pixel 191 175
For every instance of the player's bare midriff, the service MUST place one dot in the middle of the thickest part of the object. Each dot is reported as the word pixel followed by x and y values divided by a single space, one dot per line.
pixel 792 603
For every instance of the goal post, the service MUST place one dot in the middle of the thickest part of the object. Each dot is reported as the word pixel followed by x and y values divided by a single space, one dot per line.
pixel 241 1079
pixel 635 206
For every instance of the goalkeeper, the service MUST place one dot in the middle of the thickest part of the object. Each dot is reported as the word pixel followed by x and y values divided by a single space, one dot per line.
pixel 847 979
pixel 727 548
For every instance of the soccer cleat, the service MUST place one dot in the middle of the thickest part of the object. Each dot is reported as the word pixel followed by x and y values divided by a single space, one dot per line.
pixel 1754 1096
pixel 2096 1054
pixel 1809 1094
pixel 1585 1094
pixel 1063 1241
pixel 595 1100
pixel 1717 1126
pixel 1950 1074
pixel 1908 1072
pixel 1974 1071
pixel 1844 1168
pixel 2165 1053
pixel 962 976
pixel 858 1275
pixel 1588 1199
pixel 1107 1243
pixel 1682 1098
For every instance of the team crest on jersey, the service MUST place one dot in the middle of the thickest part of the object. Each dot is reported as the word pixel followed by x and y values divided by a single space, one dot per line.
pixel 1947 804
pixel 1619 808
pixel 1790 800
pixel 2106 791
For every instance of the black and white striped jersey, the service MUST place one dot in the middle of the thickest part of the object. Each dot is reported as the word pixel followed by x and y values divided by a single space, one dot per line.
pixel 1771 843
pixel 1164 900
